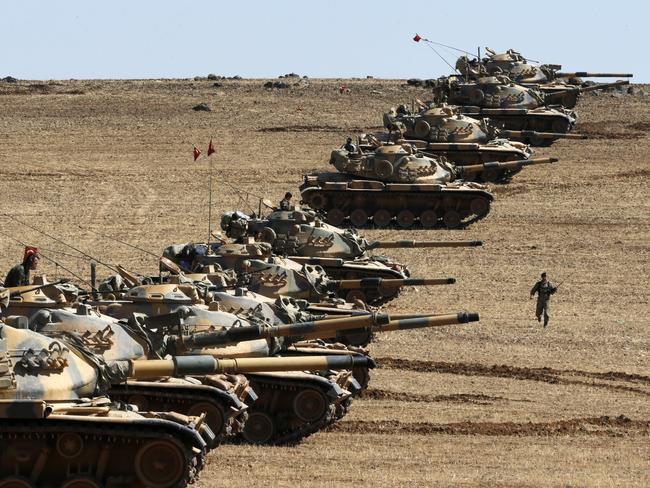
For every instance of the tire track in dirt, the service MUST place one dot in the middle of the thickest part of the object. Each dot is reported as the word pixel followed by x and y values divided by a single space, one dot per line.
pixel 592 426
pixel 545 375
pixel 476 399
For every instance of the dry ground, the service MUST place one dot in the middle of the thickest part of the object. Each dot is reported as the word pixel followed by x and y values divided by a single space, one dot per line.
pixel 503 403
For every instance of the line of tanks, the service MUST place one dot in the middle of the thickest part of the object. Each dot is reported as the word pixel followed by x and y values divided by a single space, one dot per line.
pixel 132 382
pixel 261 338
pixel 431 166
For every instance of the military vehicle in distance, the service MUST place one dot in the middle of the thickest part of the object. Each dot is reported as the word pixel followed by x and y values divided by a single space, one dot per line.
pixel 445 131
pixel 547 78
pixel 406 186
pixel 509 105
pixel 303 236
pixel 257 269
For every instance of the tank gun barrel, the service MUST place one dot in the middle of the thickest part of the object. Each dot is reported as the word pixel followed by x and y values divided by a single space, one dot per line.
pixel 234 335
pixel 412 322
pixel 207 365
pixel 389 283
pixel 601 86
pixel 17 293
pixel 477 168
pixel 429 321
pixel 590 74
pixel 540 135
pixel 421 244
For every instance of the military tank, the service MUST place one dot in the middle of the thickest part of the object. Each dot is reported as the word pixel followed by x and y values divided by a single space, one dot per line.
pixel 223 399
pixel 268 421
pixel 271 275
pixel 445 131
pixel 520 69
pixel 302 236
pixel 508 105
pixel 403 163
pixel 57 431
pixel 406 187
pixel 546 77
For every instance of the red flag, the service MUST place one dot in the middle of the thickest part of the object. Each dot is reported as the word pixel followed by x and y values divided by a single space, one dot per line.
pixel 211 148
pixel 197 153
pixel 417 38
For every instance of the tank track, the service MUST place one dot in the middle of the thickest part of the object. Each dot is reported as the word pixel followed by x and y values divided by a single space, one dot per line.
pixel 180 398
pixel 29 452
pixel 277 394
pixel 451 208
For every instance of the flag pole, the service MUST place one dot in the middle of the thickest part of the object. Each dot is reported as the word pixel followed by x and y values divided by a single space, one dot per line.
pixel 210 200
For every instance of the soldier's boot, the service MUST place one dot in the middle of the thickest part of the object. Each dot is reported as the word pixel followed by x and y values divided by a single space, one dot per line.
pixel 546 319
pixel 539 318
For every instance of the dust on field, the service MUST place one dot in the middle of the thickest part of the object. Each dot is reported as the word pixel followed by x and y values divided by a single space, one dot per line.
pixel 502 403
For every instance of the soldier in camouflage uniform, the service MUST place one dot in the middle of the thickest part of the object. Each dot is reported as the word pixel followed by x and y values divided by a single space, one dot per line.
pixel 19 274
pixel 544 290
pixel 285 203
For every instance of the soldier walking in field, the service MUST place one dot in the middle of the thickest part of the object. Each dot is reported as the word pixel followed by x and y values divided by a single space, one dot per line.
pixel 544 290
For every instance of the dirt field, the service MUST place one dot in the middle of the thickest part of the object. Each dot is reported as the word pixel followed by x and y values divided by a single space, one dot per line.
pixel 502 403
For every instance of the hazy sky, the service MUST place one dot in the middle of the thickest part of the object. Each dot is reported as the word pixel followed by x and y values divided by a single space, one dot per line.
pixel 153 39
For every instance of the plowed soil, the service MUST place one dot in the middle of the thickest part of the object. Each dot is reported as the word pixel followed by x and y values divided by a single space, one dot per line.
pixel 500 403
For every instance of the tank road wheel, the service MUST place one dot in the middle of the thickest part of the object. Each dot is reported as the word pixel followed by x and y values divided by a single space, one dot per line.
pixel 382 218
pixel 336 216
pixel 451 219
pixel 317 201
pixel 479 206
pixel 422 129
pixel 259 428
pixel 213 415
pixel 384 168
pixel 81 483
pixel 359 217
pixel 310 405
pixel 16 482
pixel 405 219
pixel 354 295
pixel 429 219
pixel 160 464
pixel 69 445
